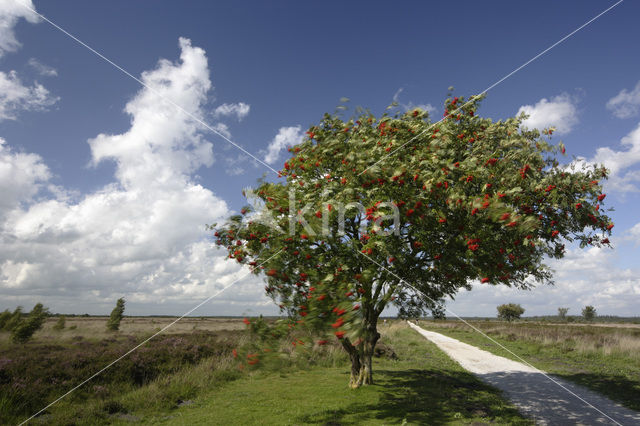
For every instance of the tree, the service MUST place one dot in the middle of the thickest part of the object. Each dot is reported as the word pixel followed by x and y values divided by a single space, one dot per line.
pixel 34 321
pixel 13 320
pixel 562 313
pixel 589 313
pixel 358 226
pixel 510 311
pixel 4 318
pixel 116 315
pixel 61 323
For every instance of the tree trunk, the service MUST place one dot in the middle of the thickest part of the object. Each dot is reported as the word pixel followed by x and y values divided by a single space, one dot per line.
pixel 361 358
pixel 356 365
pixel 366 369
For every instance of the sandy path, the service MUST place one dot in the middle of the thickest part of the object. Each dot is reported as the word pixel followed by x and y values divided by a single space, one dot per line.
pixel 534 394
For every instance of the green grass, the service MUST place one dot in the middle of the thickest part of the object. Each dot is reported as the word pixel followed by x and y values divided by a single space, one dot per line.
pixel 423 386
pixel 604 359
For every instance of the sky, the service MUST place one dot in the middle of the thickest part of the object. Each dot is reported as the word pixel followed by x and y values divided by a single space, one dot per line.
pixel 109 172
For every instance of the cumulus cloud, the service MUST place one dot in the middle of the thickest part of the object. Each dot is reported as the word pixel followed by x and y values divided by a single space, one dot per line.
pixel 142 236
pixel 583 277
pixel 622 163
pixel 15 97
pixel 21 177
pixel 634 233
pixel 559 112
pixel 625 104
pixel 617 161
pixel 42 69
pixel 10 13
pixel 287 136
pixel 240 110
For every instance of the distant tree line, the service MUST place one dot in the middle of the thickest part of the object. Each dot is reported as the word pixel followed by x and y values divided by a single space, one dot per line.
pixel 513 311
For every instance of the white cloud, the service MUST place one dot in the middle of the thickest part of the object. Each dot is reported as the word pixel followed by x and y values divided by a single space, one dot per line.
pixel 287 136
pixel 560 112
pixel 14 96
pixel 632 235
pixel 583 277
pixel 21 177
pixel 163 145
pixel 619 162
pixel 42 69
pixel 141 236
pixel 626 103
pixel 411 106
pixel 236 166
pixel 240 110
pixel 10 13
pixel 223 129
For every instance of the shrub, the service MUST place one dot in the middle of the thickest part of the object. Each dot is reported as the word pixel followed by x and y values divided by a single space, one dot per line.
pixel 562 313
pixel 4 318
pixel 14 320
pixel 589 313
pixel 60 324
pixel 25 329
pixel 510 311
pixel 116 315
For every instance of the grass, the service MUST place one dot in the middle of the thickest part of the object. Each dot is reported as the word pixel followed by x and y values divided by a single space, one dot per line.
pixel 423 386
pixel 604 359
pixel 190 377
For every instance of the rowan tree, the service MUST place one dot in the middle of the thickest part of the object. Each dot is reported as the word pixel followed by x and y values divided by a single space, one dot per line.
pixel 357 226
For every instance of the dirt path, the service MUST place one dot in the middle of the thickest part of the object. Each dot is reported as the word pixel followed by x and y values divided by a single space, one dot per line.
pixel 534 394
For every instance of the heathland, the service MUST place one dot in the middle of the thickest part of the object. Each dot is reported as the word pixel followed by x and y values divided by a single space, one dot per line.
pixel 188 375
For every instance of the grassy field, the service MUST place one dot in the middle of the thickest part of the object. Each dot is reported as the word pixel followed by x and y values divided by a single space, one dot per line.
pixel 190 377
pixel 603 358
pixel 422 386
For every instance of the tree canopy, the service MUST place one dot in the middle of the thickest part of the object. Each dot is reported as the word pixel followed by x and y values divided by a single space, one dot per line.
pixel 589 313
pixel 116 315
pixel 510 311
pixel 25 328
pixel 402 211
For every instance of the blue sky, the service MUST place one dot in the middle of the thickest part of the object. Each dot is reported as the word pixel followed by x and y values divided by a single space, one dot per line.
pixel 106 188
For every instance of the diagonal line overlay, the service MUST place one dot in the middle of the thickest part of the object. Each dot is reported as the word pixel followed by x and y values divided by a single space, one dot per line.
pixel 490 338
pixel 146 340
pixel 200 121
pixel 154 91
pixel 495 84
